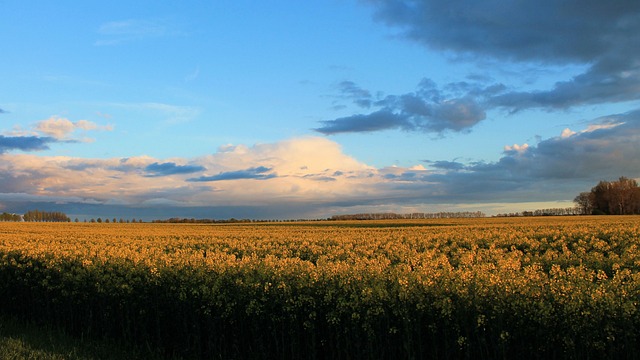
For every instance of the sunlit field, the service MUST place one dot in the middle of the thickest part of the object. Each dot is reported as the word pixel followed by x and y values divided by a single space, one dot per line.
pixel 544 287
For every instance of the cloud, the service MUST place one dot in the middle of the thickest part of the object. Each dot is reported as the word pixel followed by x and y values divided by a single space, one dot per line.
pixel 545 31
pixel 170 168
pixel 2 111
pixel 457 107
pixel 44 133
pixel 555 168
pixel 123 31
pixel 515 148
pixel 446 165
pixel 359 95
pixel 255 173
pixel 140 181
pixel 171 114
pixel 311 176
pixel 60 128
pixel 24 143
pixel 55 127
pixel 193 75
pixel 379 120
pixel 599 35
pixel 595 86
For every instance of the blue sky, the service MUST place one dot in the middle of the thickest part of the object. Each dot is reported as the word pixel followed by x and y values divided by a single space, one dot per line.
pixel 288 109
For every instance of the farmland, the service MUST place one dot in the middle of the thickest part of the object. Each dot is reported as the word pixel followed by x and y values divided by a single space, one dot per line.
pixel 550 287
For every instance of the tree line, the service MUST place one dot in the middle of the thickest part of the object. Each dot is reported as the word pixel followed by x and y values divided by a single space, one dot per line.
pixel 36 216
pixel 416 215
pixel 5 216
pixel 620 197
pixel 55 216
pixel 545 212
pixel 106 220
pixel 45 216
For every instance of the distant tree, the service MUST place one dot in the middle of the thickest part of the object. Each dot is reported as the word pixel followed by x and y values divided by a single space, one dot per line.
pixel 99 220
pixel 106 220
pixel 621 197
pixel 10 217
pixel 584 202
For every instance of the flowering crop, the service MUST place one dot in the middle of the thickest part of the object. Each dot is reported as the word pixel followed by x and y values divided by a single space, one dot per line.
pixel 484 288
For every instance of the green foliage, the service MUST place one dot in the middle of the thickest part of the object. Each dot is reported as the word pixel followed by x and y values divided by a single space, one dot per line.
pixel 23 341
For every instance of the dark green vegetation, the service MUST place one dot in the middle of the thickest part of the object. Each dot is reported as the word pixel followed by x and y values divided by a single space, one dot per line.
pixel 21 341
pixel 485 288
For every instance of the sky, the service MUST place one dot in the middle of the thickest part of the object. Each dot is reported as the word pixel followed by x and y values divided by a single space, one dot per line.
pixel 307 109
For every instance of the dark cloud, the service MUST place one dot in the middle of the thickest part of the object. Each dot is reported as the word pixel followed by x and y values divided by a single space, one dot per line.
pixel 24 143
pixel 457 108
pixel 360 96
pixel 256 173
pixel 446 165
pixel 547 31
pixel 597 85
pixel 379 120
pixel 555 169
pixel 599 34
pixel 169 168
pixel 608 149
pixel 405 176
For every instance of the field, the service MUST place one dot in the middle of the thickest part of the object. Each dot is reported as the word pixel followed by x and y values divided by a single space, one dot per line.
pixel 549 287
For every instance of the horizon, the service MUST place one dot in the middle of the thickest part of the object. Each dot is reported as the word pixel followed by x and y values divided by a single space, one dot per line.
pixel 287 110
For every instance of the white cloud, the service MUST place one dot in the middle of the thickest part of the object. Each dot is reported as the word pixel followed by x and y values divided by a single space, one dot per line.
pixel 418 167
pixel 61 128
pixel 123 31
pixel 55 127
pixel 594 127
pixel 516 148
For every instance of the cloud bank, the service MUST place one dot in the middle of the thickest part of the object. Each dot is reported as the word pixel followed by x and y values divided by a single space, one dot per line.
pixel 312 177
